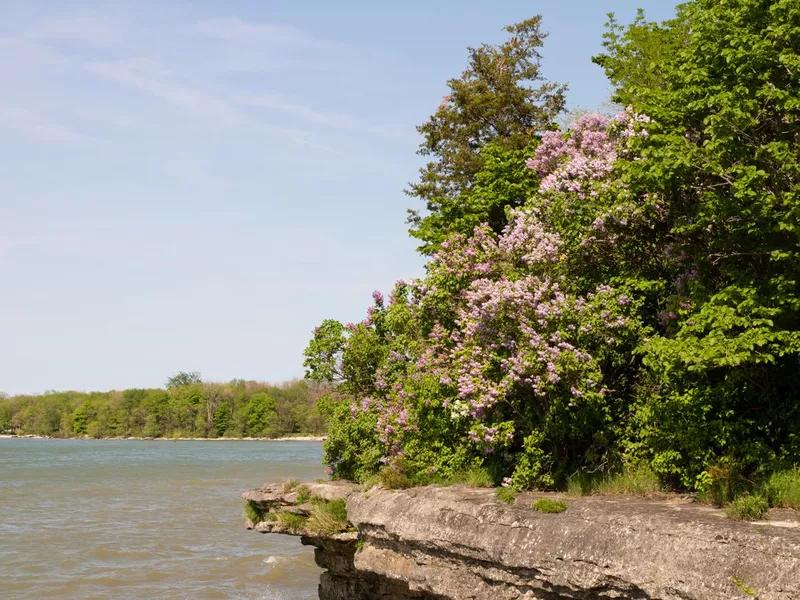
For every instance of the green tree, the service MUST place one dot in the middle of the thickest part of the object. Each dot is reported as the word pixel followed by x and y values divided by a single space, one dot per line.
pixel 261 414
pixel 81 418
pixel 502 98
pixel 504 182
pixel 182 378
pixel 222 418
pixel 722 161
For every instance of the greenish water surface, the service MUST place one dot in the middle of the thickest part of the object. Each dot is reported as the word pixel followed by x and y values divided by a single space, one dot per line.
pixel 146 519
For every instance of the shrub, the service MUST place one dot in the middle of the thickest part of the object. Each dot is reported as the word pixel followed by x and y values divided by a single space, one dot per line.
pixel 749 507
pixel 783 489
pixel 722 484
pixel 549 506
pixel 506 495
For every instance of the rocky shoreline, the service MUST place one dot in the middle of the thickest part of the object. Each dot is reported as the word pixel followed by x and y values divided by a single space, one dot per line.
pixel 300 438
pixel 462 543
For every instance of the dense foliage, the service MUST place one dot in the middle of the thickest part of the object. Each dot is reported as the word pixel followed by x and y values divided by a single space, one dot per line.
pixel 497 105
pixel 187 408
pixel 637 302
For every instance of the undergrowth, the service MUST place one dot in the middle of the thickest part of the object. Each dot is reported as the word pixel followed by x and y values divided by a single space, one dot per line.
pixel 630 481
pixel 748 499
pixel 396 477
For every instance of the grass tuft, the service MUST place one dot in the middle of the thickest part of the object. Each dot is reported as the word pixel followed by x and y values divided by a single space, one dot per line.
pixel 253 512
pixel 328 518
pixel 506 495
pixel 290 484
pixel 631 481
pixel 549 506
pixel 291 521
pixel 303 495
pixel 477 477
pixel 749 507
pixel 783 489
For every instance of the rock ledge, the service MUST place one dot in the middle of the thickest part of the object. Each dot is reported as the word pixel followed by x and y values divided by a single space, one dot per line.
pixel 461 543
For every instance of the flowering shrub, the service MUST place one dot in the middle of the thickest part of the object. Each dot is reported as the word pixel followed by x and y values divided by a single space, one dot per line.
pixel 494 355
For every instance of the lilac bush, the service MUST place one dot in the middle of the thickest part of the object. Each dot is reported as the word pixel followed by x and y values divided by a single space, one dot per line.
pixel 496 356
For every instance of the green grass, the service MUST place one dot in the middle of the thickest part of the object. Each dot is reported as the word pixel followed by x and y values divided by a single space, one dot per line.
pixel 751 499
pixel 477 477
pixel 253 512
pixel 783 489
pixel 291 521
pixel 328 518
pixel 549 506
pixel 303 495
pixel 631 481
pixel 506 495
pixel 359 545
pixel 749 507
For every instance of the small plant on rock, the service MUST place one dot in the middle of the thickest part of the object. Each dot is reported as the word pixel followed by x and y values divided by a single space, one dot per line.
pixel 289 485
pixel 303 495
pixel 506 495
pixel 546 505
pixel 749 507
pixel 328 517
pixel 291 521
pixel 254 512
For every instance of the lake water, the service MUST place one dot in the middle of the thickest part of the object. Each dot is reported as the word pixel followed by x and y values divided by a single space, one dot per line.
pixel 139 519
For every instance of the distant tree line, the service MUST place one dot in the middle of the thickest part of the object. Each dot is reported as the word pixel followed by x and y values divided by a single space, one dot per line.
pixel 186 408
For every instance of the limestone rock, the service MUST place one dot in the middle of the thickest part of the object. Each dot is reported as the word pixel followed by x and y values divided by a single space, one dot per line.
pixel 461 543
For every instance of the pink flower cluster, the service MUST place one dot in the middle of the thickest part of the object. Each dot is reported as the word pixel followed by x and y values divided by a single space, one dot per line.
pixel 580 161
pixel 502 326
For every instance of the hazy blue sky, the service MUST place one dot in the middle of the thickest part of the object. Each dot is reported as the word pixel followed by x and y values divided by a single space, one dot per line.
pixel 194 184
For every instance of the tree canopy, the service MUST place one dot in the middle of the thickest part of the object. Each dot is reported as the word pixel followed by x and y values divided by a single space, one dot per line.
pixel 500 99
pixel 623 292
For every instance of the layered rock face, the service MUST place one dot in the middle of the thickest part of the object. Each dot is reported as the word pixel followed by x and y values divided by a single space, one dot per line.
pixel 461 543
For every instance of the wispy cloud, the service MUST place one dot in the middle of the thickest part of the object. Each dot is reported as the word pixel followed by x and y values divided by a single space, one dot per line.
pixel 149 76
pixel 91 30
pixel 35 126
pixel 279 103
pixel 153 78
pixel 197 72
pixel 233 29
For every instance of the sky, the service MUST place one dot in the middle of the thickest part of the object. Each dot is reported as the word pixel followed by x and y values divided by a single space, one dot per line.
pixel 194 185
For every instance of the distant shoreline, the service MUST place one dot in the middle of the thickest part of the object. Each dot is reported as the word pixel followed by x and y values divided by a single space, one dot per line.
pixel 300 438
